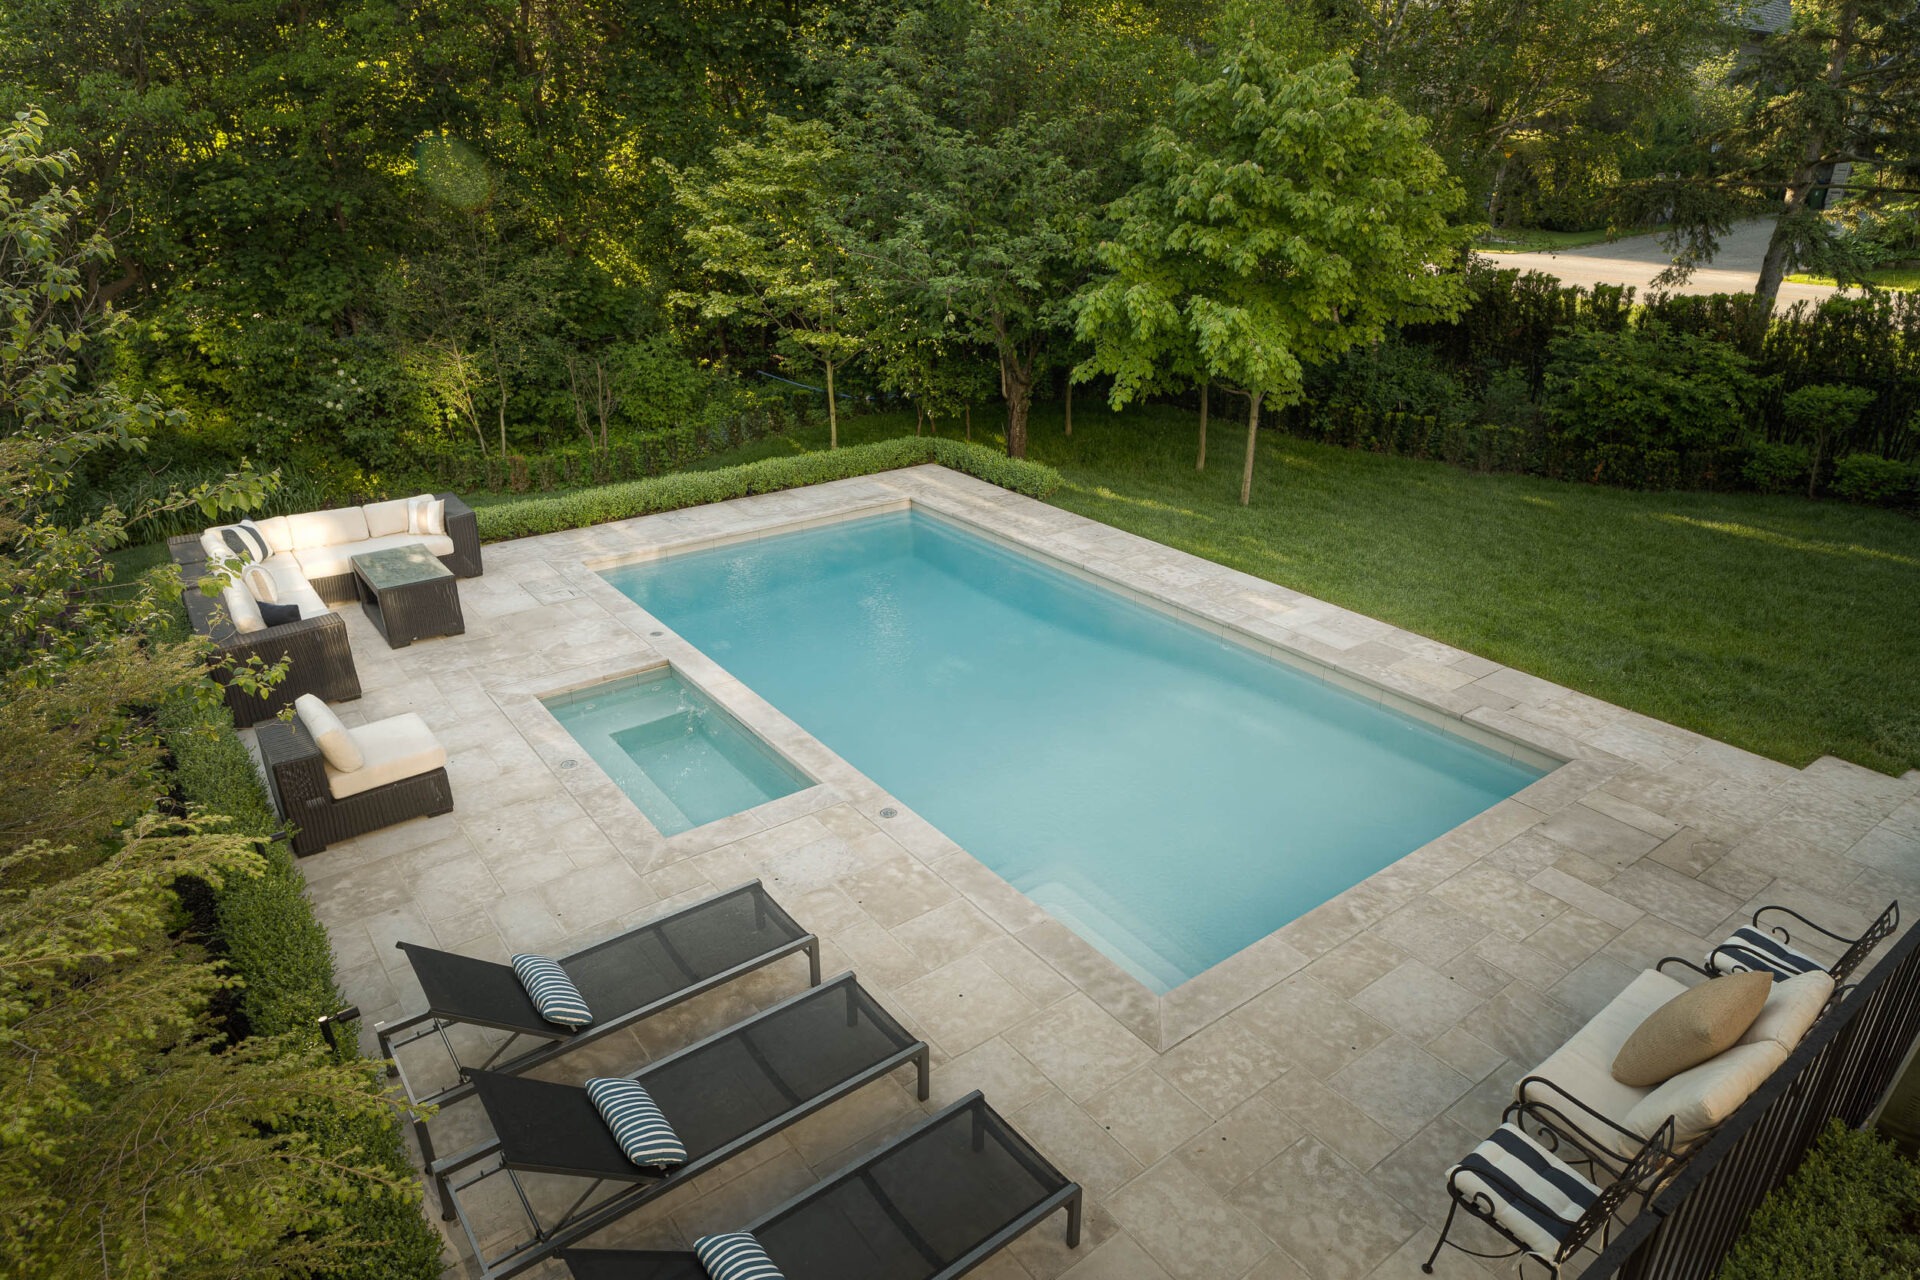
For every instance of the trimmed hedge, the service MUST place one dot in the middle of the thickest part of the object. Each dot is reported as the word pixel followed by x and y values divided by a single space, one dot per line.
pixel 771 475
pixel 271 938
pixel 1850 1212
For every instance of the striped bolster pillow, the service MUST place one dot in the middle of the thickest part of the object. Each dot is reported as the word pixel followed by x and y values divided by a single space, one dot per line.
pixel 735 1255
pixel 1756 949
pixel 636 1123
pixel 551 991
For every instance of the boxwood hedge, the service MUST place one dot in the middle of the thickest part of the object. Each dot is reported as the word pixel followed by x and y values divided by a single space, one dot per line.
pixel 694 488
pixel 1850 1212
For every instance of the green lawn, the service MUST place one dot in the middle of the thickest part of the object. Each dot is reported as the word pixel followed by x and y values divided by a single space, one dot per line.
pixel 1514 240
pixel 1784 626
pixel 1889 278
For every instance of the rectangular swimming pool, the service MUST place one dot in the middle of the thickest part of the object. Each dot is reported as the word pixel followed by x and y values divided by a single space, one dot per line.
pixel 683 761
pixel 1169 795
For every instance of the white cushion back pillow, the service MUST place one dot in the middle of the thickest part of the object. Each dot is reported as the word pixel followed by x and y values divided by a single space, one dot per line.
pixel 336 744
pixel 259 581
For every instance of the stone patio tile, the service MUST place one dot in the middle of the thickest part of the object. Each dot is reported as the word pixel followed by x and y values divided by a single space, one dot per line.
pixel 1325 1216
pixel 1333 1118
pixel 1587 830
pixel 1222 1066
pixel 1634 815
pixel 963 1003
pixel 1078 1145
pixel 1416 1174
pixel 593 895
pixel 1516 958
pixel 1567 939
pixel 1673 897
pixel 1417 1001
pixel 1400 1085
pixel 1523 1023
pixel 1349 968
pixel 1079 1046
pixel 1186 1225
pixel 1147 1115
pixel 1310 1025
pixel 1652 939
pixel 1241 1143
pixel 1120 1258
pixel 1578 893
pixel 947 932
pixel 1591 986
pixel 452 888
pixel 1431 930
pixel 1501 901
pixel 898 889
pixel 1466 1053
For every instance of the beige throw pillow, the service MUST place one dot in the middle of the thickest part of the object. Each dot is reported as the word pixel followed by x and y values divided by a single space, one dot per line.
pixel 337 746
pixel 1692 1027
pixel 427 515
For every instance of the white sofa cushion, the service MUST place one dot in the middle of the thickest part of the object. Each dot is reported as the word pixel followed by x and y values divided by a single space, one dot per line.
pixel 398 747
pixel 290 586
pixel 332 561
pixel 242 609
pixel 327 528
pixel 277 532
pixel 335 740
pixel 1701 1099
pixel 384 518
pixel 259 581
pixel 427 514
pixel 1583 1066
pixel 1791 1009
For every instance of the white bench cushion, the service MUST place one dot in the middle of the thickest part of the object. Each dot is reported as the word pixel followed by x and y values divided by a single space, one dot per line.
pixel 385 518
pixel 333 561
pixel 1583 1066
pixel 1791 1009
pixel 398 747
pixel 327 528
pixel 1701 1099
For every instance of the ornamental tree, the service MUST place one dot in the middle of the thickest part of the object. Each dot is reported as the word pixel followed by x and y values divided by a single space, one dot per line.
pixel 1281 220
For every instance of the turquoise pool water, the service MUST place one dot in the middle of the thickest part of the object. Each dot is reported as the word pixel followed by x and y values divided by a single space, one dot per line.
pixel 682 760
pixel 1169 795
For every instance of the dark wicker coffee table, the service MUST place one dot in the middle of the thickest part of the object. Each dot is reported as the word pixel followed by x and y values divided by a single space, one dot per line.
pixel 408 594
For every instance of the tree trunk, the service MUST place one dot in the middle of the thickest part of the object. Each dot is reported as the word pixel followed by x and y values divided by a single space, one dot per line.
pixel 833 412
pixel 1200 462
pixel 1069 404
pixel 919 416
pixel 1773 268
pixel 1019 385
pixel 969 412
pixel 1253 433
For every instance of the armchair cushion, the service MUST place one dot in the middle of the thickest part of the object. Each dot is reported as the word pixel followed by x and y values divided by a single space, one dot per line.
pixel 399 747
pixel 330 734
pixel 1583 1066
pixel 1755 949
pixel 426 514
pixel 1700 1100
pixel 1533 1193
pixel 334 560
pixel 278 534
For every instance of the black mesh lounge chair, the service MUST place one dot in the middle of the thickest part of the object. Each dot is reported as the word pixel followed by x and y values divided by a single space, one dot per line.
pixel 1764 948
pixel 934 1203
pixel 650 967
pixel 721 1096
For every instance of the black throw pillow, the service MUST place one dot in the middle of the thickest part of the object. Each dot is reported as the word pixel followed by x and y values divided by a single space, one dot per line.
pixel 276 614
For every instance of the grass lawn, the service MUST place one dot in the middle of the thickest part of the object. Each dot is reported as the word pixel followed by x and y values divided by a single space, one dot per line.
pixel 1514 240
pixel 1890 278
pixel 1781 625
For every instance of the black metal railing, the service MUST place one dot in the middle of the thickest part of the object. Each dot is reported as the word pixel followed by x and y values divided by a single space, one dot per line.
pixel 1841 1070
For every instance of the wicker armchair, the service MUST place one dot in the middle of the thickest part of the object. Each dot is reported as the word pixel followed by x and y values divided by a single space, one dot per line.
pixel 297 776
pixel 320 661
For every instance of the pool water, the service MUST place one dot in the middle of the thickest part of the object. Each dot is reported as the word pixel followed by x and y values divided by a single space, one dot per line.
pixel 1169 795
pixel 682 760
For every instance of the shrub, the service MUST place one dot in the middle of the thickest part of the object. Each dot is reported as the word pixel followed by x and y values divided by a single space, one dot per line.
pixel 270 937
pixel 1864 477
pixel 1648 388
pixel 1850 1212
pixel 694 488
pixel 1777 468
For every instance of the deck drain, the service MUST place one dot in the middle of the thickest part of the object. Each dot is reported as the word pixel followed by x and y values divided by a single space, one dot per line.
pixel 888 813
pixel 569 764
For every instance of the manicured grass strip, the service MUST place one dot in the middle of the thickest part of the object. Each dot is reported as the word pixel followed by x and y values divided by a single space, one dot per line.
pixel 1780 625
pixel 1886 278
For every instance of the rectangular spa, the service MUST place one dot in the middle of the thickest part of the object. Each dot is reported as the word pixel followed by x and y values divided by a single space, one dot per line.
pixel 683 761
pixel 1168 794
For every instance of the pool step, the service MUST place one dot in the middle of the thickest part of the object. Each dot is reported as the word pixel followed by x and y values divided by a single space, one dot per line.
pixel 1112 939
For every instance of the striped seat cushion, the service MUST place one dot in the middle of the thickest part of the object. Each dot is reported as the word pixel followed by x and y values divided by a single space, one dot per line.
pixel 552 991
pixel 1535 1195
pixel 735 1255
pixel 1759 951
pixel 636 1123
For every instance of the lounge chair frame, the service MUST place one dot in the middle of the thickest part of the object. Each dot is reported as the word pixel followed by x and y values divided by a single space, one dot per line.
pixel 1856 949
pixel 585 1216
pixel 1655 1155
pixel 392 1036
pixel 1069 1196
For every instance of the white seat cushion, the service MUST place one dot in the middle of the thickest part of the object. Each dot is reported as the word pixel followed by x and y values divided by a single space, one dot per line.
pixel 1700 1100
pixel 1583 1066
pixel 395 748
pixel 1791 1009
pixel 290 585
pixel 331 562
pixel 327 528
pixel 384 518
pixel 1535 1194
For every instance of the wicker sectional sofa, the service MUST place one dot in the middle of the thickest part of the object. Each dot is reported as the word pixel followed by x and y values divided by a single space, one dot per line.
pixel 309 562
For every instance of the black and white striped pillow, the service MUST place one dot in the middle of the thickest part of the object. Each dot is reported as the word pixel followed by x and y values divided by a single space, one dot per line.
pixel 1756 949
pixel 1535 1195
pixel 636 1122
pixel 552 991
pixel 246 541
pixel 735 1255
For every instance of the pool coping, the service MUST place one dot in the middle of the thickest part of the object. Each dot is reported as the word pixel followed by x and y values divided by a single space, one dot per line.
pixel 1159 1021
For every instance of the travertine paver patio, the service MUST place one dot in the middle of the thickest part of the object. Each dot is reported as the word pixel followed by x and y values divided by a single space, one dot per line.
pixel 1289 1113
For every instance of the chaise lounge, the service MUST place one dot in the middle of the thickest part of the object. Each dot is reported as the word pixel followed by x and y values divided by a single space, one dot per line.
pixel 933 1204
pixel 623 980
pixel 720 1096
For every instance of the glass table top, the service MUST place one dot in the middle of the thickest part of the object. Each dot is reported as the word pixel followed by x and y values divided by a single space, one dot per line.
pixel 399 567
